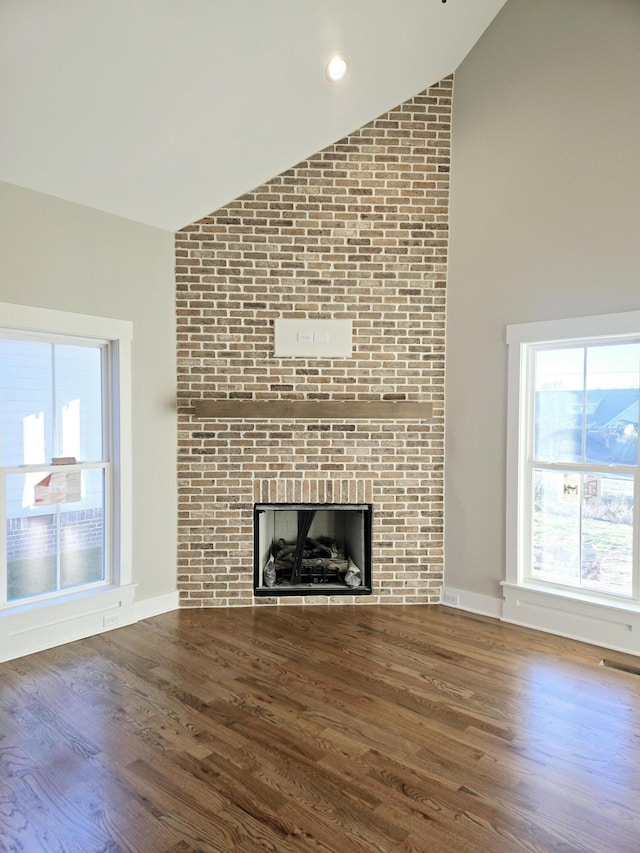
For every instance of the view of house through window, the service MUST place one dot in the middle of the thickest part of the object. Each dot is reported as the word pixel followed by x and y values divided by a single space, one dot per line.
pixel 54 466
pixel 582 466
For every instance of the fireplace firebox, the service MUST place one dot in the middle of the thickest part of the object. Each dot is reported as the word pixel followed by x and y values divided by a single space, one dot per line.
pixel 312 549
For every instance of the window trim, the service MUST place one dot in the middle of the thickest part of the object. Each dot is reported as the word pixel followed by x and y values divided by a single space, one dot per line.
pixel 82 612
pixel 611 621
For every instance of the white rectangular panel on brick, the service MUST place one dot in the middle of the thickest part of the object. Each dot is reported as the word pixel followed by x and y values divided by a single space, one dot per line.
pixel 312 338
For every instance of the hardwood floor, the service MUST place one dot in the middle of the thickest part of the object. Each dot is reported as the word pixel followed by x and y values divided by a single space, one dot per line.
pixel 347 729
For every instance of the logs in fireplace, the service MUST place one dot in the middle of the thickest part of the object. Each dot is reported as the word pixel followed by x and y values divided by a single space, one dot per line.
pixel 313 549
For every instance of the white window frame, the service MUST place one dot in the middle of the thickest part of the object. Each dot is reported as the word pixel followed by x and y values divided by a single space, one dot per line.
pixel 610 621
pixel 32 625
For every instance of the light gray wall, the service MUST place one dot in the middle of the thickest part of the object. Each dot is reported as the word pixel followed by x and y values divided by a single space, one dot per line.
pixel 54 254
pixel 545 223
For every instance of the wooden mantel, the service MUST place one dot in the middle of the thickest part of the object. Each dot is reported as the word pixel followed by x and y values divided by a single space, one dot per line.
pixel 312 409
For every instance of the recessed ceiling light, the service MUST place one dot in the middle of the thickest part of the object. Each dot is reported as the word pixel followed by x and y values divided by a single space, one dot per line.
pixel 337 67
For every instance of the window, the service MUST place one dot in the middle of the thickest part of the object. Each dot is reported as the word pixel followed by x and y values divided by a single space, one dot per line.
pixel 65 492
pixel 573 458
pixel 582 467
pixel 54 397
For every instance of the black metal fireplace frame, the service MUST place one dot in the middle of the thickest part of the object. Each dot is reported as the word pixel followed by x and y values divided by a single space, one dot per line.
pixel 313 588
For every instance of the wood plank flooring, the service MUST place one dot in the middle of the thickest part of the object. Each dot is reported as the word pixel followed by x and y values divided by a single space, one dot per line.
pixel 348 729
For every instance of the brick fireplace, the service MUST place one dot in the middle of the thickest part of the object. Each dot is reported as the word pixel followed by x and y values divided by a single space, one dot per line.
pixel 359 231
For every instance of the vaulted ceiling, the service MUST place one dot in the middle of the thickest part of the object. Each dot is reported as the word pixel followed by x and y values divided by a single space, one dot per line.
pixel 164 110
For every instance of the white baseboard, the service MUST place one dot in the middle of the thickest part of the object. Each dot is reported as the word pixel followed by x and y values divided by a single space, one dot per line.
pixel 35 627
pixel 472 602
pixel 157 605
pixel 609 625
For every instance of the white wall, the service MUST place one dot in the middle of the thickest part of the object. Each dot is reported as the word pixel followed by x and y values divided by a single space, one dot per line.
pixel 545 223
pixel 54 254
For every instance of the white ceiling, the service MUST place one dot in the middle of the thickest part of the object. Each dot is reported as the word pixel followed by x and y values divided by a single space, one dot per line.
pixel 164 110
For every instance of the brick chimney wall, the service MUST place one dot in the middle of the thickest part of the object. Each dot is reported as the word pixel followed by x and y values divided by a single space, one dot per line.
pixel 358 231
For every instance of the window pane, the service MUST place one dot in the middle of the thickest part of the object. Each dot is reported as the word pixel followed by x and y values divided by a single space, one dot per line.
pixel 559 404
pixel 612 387
pixel 26 403
pixel 78 390
pixel 31 553
pixel 583 530
pixel 82 534
pixel 30 435
pixel 607 534
pixel 54 544
pixel 556 527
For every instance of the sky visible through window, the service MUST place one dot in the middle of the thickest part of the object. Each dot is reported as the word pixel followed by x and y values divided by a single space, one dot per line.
pixel 608 366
